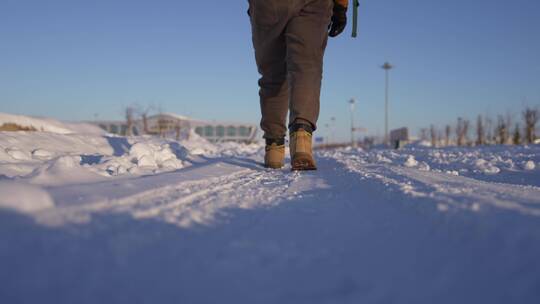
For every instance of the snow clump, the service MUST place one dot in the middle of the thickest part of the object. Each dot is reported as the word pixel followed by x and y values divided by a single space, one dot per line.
pixel 411 162
pixel 529 165
pixel 149 155
pixel 379 158
pixel 423 166
pixel 486 167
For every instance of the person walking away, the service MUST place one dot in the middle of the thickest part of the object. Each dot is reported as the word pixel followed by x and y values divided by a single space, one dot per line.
pixel 289 38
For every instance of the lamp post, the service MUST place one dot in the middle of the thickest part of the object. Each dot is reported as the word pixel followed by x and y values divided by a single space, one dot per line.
pixel 326 139
pixel 352 103
pixel 386 67
pixel 333 129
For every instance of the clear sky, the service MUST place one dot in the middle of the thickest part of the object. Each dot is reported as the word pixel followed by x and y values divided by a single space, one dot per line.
pixel 73 59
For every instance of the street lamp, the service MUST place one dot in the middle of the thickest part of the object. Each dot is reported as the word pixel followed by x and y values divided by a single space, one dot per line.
pixel 352 103
pixel 386 67
pixel 333 129
pixel 327 139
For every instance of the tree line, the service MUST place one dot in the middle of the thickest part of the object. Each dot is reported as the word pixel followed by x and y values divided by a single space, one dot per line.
pixel 485 130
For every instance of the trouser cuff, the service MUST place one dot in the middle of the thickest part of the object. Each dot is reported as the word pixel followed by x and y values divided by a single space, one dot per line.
pixel 277 141
pixel 304 126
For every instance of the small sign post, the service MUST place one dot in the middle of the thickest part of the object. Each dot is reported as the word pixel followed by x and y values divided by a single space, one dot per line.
pixel 356 4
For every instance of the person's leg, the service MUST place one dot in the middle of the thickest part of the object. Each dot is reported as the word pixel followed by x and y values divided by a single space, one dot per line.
pixel 306 38
pixel 268 20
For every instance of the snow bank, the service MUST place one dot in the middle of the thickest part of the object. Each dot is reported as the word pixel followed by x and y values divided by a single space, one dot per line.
pixel 40 124
pixel 50 125
pixel 501 163
pixel 47 158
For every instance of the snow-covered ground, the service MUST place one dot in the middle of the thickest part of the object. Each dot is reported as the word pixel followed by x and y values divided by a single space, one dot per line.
pixel 94 218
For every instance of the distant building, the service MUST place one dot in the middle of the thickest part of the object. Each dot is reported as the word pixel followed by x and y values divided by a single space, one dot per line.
pixel 173 125
pixel 217 132
pixel 399 137
pixel 165 124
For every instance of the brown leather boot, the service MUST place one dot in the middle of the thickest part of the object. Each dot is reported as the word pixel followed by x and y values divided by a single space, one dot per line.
pixel 275 154
pixel 301 149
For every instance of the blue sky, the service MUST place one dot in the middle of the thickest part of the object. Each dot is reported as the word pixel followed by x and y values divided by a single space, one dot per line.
pixel 73 59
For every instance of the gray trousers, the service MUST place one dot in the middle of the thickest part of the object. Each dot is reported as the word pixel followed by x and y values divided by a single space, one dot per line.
pixel 289 37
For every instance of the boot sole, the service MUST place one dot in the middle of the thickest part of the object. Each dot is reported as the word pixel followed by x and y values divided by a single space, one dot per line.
pixel 303 162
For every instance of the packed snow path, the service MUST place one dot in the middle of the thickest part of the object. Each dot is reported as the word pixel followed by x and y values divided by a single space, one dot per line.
pixel 362 229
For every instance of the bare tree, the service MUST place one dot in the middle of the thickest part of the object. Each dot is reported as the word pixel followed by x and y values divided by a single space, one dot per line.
pixel 530 116
pixel 447 132
pixel 516 138
pixel 130 113
pixel 144 117
pixel 480 131
pixel 466 127
pixel 501 130
pixel 433 134
pixel 489 130
pixel 508 121
pixel 143 112
pixel 177 129
pixel 462 131
pixel 423 134
pixel 459 132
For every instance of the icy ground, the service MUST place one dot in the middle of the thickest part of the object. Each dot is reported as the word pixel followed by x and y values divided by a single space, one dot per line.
pixel 100 219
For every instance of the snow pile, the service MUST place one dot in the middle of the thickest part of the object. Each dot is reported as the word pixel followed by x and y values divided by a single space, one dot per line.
pixel 410 162
pixel 49 124
pixel 486 167
pixel 51 158
pixel 145 157
pixel 21 153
